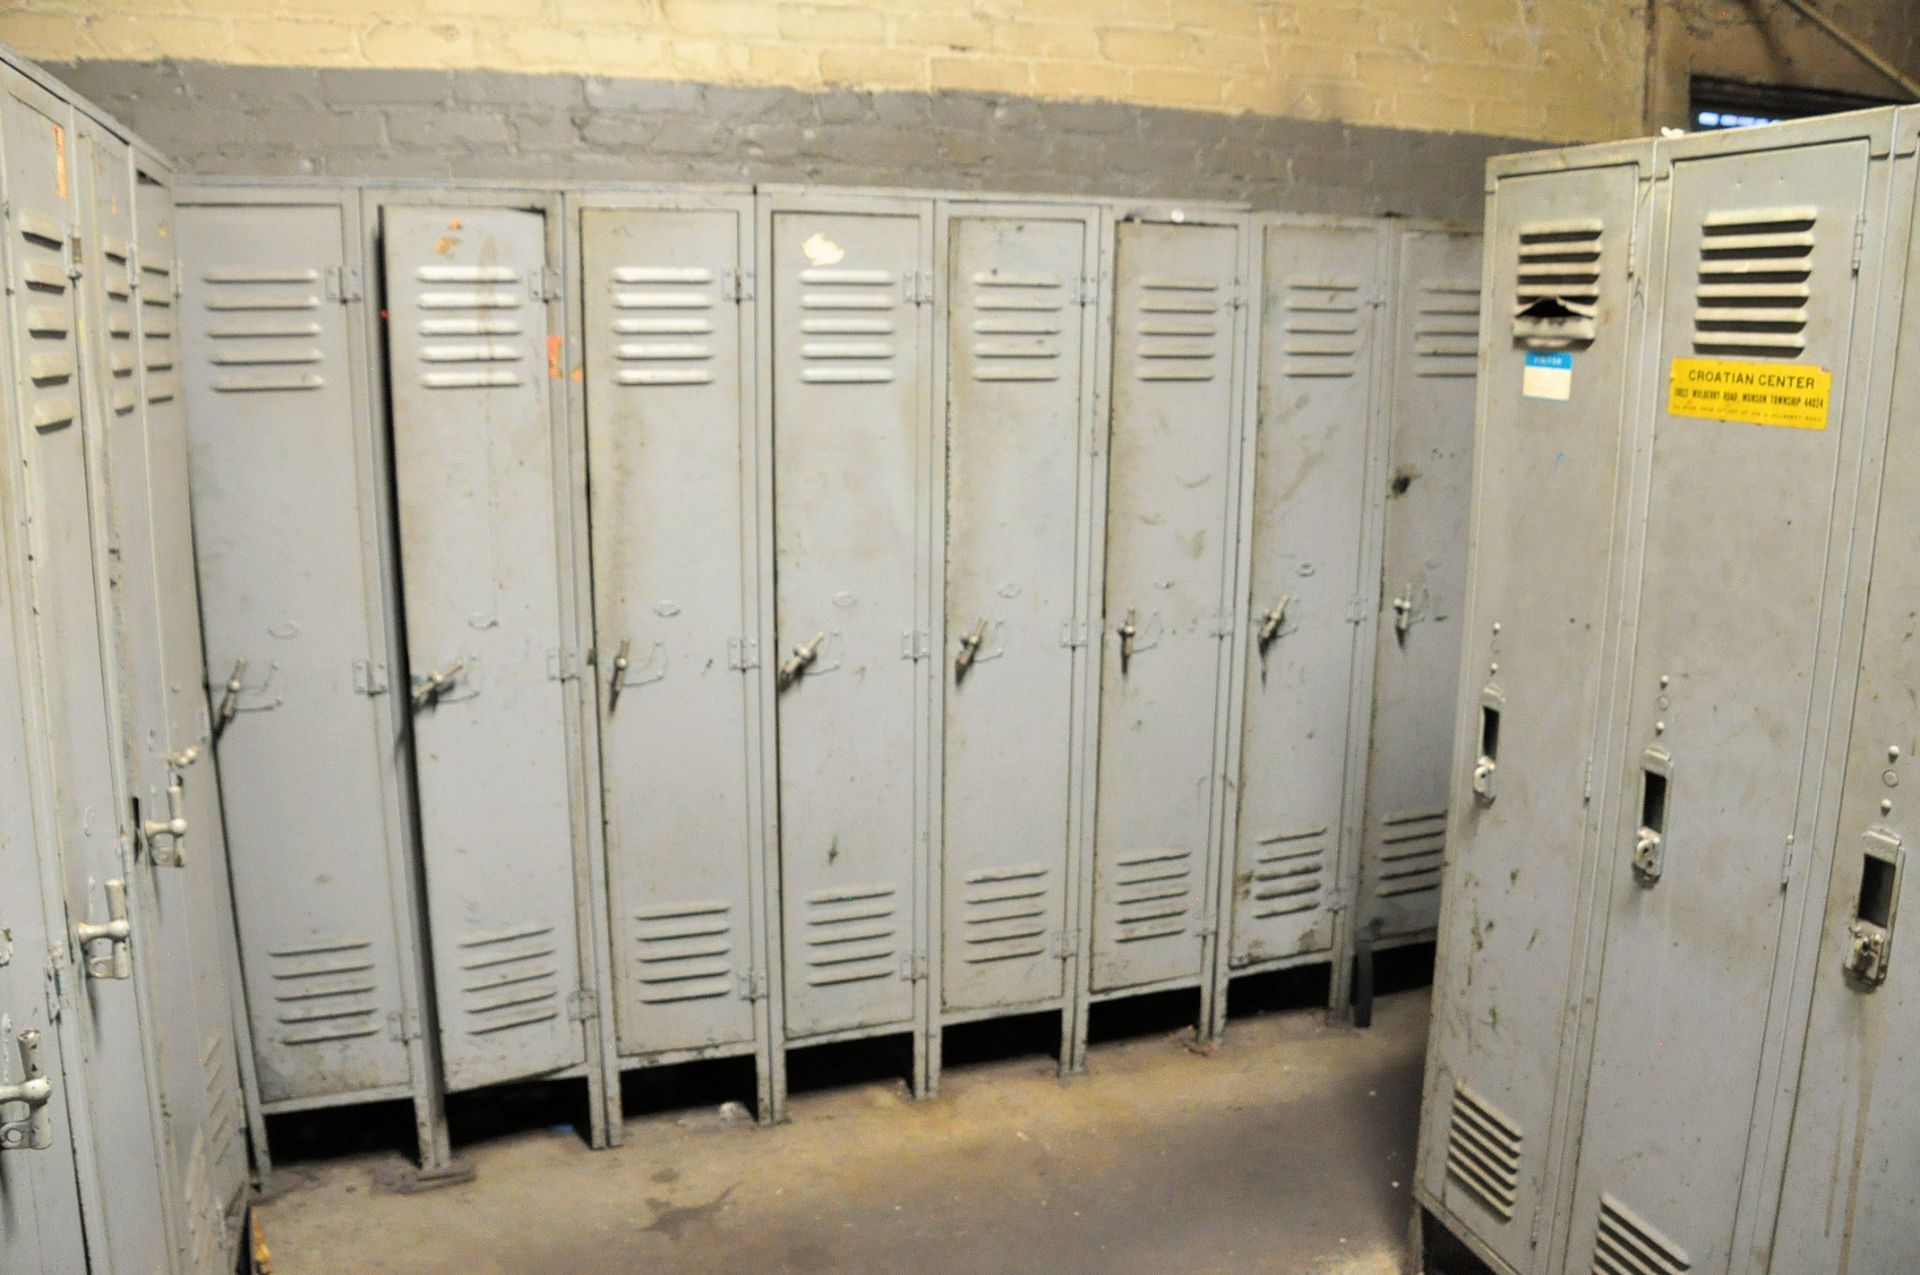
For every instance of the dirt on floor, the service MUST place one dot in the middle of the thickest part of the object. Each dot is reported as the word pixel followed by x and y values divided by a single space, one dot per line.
pixel 1288 1149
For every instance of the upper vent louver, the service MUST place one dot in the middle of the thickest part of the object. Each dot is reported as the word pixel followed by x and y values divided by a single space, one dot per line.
pixel 1756 271
pixel 1556 297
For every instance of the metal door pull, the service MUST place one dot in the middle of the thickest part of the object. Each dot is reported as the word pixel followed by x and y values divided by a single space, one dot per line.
pixel 116 933
pixel 969 647
pixel 35 1090
pixel 429 688
pixel 1403 614
pixel 172 829
pixel 1127 633
pixel 796 664
pixel 619 678
pixel 1270 626
pixel 229 700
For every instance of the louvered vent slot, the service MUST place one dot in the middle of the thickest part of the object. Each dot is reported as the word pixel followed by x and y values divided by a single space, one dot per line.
pixel 1016 326
pixel 848 327
pixel 1756 281
pixel 1446 330
pixel 1178 329
pixel 684 951
pixel 1153 893
pixel 325 991
pixel 156 331
pixel 1321 327
pixel 261 341
pixel 664 331
pixel 1556 296
pixel 1412 852
pixel 217 1069
pixel 1627 1245
pixel 509 978
pixel 1004 914
pixel 122 397
pixel 852 935
pixel 41 274
pixel 1483 1151
pixel 1289 873
pixel 468 316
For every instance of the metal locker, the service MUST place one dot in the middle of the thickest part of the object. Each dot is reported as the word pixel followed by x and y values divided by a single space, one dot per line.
pixel 287 531
pixel 1020 283
pixel 848 400
pixel 1172 482
pixel 475 374
pixel 1550 459
pixel 1303 740
pixel 1422 585
pixel 1718 806
pixel 670 429
pixel 126 1179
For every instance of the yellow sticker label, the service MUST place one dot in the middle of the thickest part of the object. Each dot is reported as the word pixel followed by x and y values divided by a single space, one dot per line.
pixel 1789 395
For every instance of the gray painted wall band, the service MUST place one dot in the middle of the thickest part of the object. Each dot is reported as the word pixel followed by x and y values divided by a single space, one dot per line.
pixel 259 121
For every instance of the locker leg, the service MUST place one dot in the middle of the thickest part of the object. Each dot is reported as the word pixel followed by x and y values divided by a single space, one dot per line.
pixel 1339 986
pixel 776 1084
pixel 1067 1042
pixel 763 1085
pixel 1203 1024
pixel 1077 1035
pixel 1363 983
pixel 1216 1029
pixel 599 1135
pixel 934 1041
pixel 921 1053
pixel 438 1167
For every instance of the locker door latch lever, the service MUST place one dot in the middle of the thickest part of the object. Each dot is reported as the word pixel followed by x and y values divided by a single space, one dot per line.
pixel 969 647
pixel 1403 615
pixel 429 688
pixel 796 664
pixel 172 830
pixel 619 679
pixel 1487 763
pixel 229 699
pixel 116 961
pixel 1650 842
pixel 35 1091
pixel 1270 624
pixel 1127 633
pixel 1870 933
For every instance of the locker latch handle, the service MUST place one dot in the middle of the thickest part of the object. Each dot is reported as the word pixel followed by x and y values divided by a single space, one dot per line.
pixel 1270 624
pixel 619 679
pixel 429 688
pixel 796 664
pixel 1650 842
pixel 969 647
pixel 1870 934
pixel 1403 615
pixel 172 831
pixel 229 699
pixel 116 933
pixel 1492 703
pixel 35 1090
pixel 1127 633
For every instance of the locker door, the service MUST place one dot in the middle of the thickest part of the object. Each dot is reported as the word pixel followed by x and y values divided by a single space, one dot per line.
pixel 1169 489
pixel 668 428
pixel 1423 579
pixel 1549 464
pixel 473 441
pixel 849 431
pixel 75 719
pixel 276 448
pixel 1309 528
pixel 1733 654
pixel 1015 402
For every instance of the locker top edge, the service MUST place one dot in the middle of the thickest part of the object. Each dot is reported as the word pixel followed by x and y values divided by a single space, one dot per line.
pixel 53 84
pixel 1637 150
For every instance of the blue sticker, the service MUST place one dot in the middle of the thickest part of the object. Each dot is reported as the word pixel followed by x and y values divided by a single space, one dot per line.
pixel 1547 376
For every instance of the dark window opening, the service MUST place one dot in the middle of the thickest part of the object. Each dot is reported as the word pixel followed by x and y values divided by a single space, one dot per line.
pixel 1716 103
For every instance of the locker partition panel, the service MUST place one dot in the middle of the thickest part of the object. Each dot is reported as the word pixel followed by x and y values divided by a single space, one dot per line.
pixel 849 434
pixel 669 426
pixel 1014 420
pixel 473 442
pixel 1169 491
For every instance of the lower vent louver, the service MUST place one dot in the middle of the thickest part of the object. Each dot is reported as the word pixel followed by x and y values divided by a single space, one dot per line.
pixel 1626 1245
pixel 1483 1151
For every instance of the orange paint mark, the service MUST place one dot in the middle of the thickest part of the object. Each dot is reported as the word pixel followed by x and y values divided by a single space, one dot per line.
pixel 553 357
pixel 579 373
pixel 60 160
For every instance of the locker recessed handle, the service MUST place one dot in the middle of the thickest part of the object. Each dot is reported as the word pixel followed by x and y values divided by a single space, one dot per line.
pixel 1271 622
pixel 796 664
pixel 229 700
pixel 1870 933
pixel 429 688
pixel 115 934
pixel 619 679
pixel 969 647
pixel 1650 841
pixel 35 1090
pixel 1486 764
pixel 1128 632
pixel 167 838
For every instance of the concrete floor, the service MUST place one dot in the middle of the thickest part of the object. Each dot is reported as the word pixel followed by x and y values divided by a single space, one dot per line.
pixel 1288 1150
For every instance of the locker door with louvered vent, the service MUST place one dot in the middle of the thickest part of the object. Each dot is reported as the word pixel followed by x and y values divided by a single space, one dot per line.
pixel 1715 816
pixel 1430 405
pixel 1549 460
pixel 481 562
pixel 1298 782
pixel 669 427
pixel 850 424
pixel 279 438
pixel 78 788
pixel 1016 420
pixel 1170 489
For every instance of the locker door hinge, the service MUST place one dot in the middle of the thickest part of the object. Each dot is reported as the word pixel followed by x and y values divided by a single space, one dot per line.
pixel 753 987
pixel 916 287
pixel 742 285
pixel 1206 929
pixel 1586 783
pixel 913 968
pixel 1237 294
pixel 404 1025
pixel 1222 625
pixel 1067 946
pixel 914 644
pixel 1786 863
pixel 1086 289
pixel 72 251
pixel 343 283
pixel 1073 633
pixel 583 1006
pixel 58 1001
pixel 743 653
pixel 369 677
pixel 1859 241
pixel 543 283
pixel 563 664
pixel 1357 609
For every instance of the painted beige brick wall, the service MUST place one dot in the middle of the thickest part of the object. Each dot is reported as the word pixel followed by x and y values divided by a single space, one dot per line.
pixel 1554 70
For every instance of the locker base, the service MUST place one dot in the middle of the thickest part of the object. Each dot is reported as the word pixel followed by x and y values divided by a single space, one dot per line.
pixel 1407 963
pixel 407 1179
pixel 1007 1032
pixel 1436 1249
pixel 1279 986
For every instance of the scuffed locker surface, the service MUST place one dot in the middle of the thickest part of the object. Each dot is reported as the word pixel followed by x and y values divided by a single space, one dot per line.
pixel 1430 401
pixel 279 442
pixel 481 563
pixel 850 425
pixel 1170 492
pixel 669 405
pixel 1550 459
pixel 1016 416
pixel 1299 777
